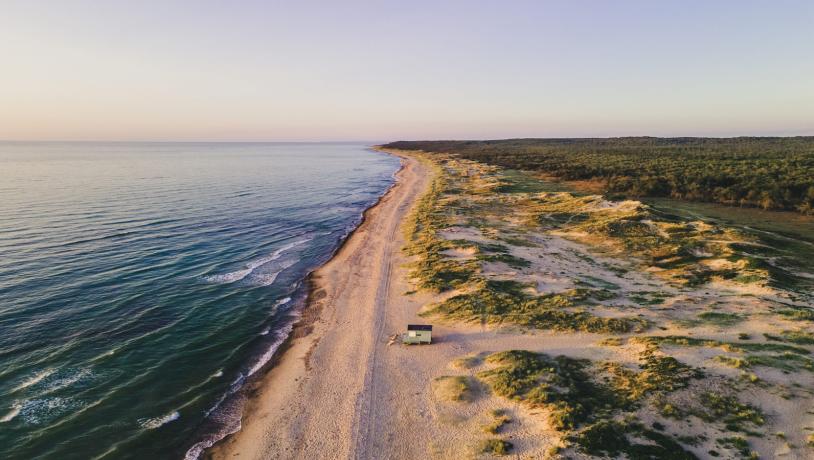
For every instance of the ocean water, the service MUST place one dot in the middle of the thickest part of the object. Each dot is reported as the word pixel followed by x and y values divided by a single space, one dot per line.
pixel 141 284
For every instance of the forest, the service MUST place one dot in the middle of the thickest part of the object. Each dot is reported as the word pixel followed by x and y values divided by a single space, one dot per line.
pixel 772 173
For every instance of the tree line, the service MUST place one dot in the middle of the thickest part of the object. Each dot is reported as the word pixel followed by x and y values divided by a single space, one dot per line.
pixel 774 173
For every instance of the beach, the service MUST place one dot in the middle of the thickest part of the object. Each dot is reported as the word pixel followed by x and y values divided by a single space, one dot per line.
pixel 325 389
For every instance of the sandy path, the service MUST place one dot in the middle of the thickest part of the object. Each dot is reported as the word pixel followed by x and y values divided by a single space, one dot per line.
pixel 320 399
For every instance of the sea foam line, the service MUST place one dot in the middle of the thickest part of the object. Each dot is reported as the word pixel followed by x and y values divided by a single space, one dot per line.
pixel 282 334
pixel 266 279
pixel 234 426
pixel 238 275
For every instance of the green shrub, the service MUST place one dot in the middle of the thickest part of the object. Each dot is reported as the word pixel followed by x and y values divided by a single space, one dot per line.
pixel 729 410
pixel 720 318
pixel 495 446
pixel 499 419
pixel 610 439
pixel 560 384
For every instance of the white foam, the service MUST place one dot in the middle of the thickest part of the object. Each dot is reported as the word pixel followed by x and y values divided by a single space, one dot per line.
pixel 265 357
pixel 266 279
pixel 34 379
pixel 282 301
pixel 155 422
pixel 217 374
pixel 43 410
pixel 15 409
pixel 70 379
pixel 238 275
pixel 196 450
pixel 233 423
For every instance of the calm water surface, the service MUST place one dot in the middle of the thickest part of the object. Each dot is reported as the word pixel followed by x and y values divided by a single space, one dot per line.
pixel 142 283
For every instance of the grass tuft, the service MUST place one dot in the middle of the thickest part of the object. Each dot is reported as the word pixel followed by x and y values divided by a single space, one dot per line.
pixel 453 388
pixel 495 446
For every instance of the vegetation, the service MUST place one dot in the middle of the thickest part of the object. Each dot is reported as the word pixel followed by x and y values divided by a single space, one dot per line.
pixel 798 337
pixel 498 421
pixel 784 357
pixel 797 313
pixel 690 252
pixel 680 340
pixel 494 446
pixel 560 384
pixel 610 439
pixel 466 362
pixel 739 444
pixel 716 407
pixel 496 301
pixel 766 172
pixel 453 388
pixel 479 220
pixel 588 409
pixel 720 318
pixel 658 373
pixel 433 270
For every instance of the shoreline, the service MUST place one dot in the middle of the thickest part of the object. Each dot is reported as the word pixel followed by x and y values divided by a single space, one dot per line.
pixel 282 377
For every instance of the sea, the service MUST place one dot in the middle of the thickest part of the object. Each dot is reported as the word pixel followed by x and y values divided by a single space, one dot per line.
pixel 143 284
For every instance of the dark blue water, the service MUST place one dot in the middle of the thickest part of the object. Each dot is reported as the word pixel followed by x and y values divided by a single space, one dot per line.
pixel 142 283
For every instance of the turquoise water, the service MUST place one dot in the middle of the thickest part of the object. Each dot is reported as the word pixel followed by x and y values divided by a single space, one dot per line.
pixel 142 283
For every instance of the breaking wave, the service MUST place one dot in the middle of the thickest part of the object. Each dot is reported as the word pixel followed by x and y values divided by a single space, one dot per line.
pixel 155 422
pixel 15 409
pixel 250 267
pixel 34 379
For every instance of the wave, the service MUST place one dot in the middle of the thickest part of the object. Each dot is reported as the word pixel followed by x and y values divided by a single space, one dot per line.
pixel 282 334
pixel 198 448
pixel 225 415
pixel 44 410
pixel 230 416
pixel 34 379
pixel 266 279
pixel 68 380
pixel 282 301
pixel 238 275
pixel 155 422
pixel 15 409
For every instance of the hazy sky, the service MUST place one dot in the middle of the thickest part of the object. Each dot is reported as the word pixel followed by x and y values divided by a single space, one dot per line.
pixel 380 70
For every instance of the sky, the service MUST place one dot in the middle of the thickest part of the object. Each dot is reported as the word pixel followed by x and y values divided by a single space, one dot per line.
pixel 387 70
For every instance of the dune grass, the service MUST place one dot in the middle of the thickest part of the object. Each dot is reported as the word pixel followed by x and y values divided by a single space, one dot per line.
pixel 588 409
pixel 494 446
pixel 496 302
pixel 453 388
pixel 720 318
pixel 611 438
pixel 499 419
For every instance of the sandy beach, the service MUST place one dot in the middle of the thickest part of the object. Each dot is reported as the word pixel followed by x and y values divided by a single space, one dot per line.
pixel 327 388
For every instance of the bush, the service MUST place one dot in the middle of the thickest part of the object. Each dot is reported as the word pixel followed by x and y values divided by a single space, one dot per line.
pixel 495 447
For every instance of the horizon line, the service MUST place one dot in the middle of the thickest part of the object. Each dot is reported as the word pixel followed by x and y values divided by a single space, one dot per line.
pixel 379 142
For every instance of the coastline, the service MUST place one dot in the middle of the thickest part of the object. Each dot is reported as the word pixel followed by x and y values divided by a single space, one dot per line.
pixel 279 390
